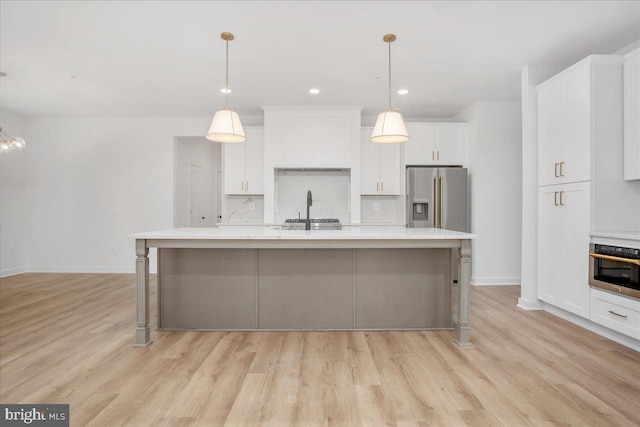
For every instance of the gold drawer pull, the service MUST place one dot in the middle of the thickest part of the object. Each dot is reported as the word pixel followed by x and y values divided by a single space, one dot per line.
pixel 617 314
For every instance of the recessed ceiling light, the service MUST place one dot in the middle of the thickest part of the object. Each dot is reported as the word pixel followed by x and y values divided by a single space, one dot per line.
pixel 314 91
pixel 403 91
pixel 223 90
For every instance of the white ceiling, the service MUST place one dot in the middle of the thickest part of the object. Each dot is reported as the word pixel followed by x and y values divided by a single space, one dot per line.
pixel 165 58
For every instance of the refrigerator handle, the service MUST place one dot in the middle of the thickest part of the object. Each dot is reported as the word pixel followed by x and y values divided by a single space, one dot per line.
pixel 440 202
pixel 435 202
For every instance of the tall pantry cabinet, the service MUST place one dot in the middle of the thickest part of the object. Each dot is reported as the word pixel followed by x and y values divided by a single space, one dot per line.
pixel 579 133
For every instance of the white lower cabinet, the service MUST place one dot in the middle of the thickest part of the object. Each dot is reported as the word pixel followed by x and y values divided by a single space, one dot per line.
pixel 564 222
pixel 619 313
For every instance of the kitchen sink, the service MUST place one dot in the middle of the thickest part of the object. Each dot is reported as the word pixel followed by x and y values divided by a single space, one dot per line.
pixel 316 224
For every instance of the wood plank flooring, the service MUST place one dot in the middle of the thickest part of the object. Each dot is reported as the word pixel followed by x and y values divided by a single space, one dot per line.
pixel 68 338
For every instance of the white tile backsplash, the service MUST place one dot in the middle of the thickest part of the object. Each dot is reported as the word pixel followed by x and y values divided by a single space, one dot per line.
pixel 330 190
pixel 382 209
pixel 238 209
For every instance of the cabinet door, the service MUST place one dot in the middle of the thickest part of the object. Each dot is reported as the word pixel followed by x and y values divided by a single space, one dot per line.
pixel 576 205
pixel 389 169
pixel 551 132
pixel 549 245
pixel 420 149
pixel 576 148
pixel 254 161
pixel 451 144
pixel 369 164
pixel 234 155
pixel 632 116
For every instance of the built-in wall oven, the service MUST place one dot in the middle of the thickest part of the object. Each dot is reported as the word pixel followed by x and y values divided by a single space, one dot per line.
pixel 615 269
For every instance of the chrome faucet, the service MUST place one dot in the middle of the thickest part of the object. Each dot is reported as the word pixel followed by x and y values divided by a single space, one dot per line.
pixel 307 223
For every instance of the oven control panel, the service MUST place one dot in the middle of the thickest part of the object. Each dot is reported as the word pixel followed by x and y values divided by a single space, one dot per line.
pixel 617 251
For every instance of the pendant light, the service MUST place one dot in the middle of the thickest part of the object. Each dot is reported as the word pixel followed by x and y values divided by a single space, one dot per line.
pixel 389 127
pixel 9 143
pixel 226 126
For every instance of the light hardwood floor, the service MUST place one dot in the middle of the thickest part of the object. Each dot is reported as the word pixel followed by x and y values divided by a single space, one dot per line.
pixel 68 338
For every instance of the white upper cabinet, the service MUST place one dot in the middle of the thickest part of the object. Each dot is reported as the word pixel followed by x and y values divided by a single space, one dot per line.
pixel 632 116
pixel 564 128
pixel 313 138
pixel 436 144
pixel 579 109
pixel 380 166
pixel 244 164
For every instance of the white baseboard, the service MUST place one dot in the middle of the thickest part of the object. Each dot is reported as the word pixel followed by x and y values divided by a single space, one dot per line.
pixel 529 304
pixel 495 281
pixel 593 327
pixel 12 272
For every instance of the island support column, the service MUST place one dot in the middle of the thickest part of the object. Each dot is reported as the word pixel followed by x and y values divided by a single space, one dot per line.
pixel 463 297
pixel 143 336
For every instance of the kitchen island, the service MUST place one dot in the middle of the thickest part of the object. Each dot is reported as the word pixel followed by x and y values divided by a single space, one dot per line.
pixel 266 278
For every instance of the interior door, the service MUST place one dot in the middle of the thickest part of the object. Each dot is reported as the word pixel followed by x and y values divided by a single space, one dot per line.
pixel 196 176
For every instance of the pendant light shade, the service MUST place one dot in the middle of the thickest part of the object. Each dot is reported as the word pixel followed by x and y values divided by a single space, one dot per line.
pixel 226 126
pixel 389 128
pixel 10 143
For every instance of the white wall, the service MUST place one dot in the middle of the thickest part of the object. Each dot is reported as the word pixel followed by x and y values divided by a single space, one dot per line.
pixel 14 181
pixel 93 181
pixel 495 174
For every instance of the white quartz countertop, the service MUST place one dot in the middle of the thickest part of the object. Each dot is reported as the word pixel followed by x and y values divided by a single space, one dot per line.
pixel 275 233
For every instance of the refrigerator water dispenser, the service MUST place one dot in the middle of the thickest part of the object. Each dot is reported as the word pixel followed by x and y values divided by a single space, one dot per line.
pixel 420 211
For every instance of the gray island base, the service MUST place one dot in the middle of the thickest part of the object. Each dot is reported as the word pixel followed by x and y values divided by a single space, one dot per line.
pixel 261 278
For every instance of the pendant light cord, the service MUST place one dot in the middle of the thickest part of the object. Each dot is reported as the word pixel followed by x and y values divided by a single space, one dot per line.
pixel 389 76
pixel 227 72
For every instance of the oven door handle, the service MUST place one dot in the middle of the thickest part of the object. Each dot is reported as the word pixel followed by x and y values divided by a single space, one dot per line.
pixel 615 258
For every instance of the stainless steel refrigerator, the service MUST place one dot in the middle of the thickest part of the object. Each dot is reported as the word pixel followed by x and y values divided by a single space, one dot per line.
pixel 437 197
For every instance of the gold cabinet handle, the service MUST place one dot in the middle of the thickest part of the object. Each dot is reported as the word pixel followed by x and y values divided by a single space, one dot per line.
pixel 438 155
pixel 555 198
pixel 615 258
pixel 561 164
pixel 247 185
pixel 617 314
pixel 562 198
pixel 377 186
pixel 433 155
pixel 555 170
pixel 381 185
